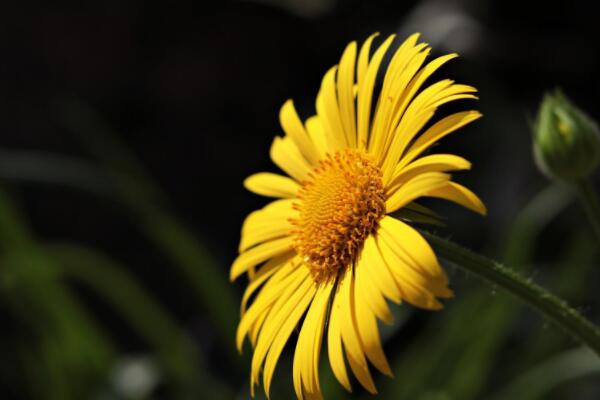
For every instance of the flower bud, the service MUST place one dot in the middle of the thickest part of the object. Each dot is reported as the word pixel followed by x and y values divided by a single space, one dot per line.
pixel 566 142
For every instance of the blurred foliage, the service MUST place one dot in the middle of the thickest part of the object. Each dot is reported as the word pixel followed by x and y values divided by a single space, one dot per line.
pixel 60 338
pixel 74 352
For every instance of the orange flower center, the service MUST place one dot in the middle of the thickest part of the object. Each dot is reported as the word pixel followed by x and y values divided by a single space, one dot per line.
pixel 340 206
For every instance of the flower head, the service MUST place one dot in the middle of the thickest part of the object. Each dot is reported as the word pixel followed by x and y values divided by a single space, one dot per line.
pixel 566 140
pixel 328 255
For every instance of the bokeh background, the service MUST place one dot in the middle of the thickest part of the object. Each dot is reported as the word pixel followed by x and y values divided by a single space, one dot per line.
pixel 127 128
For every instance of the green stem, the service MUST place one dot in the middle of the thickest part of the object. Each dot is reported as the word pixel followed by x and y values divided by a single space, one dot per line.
pixel 115 286
pixel 589 201
pixel 547 304
pixel 141 194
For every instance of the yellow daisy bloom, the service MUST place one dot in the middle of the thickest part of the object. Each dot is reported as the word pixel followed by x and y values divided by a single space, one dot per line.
pixel 327 255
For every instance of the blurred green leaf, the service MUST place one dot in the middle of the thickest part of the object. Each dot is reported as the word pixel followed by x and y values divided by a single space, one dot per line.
pixel 427 360
pixel 104 143
pixel 136 189
pixel 70 344
pixel 42 167
pixel 532 219
pixel 570 278
pixel 558 370
pixel 148 318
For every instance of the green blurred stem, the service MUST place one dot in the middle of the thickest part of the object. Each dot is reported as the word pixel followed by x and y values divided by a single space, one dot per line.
pixel 589 201
pixel 537 382
pixel 144 198
pixel 116 286
pixel 138 191
pixel 547 304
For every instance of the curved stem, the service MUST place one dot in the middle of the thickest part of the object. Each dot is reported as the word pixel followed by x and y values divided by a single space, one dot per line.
pixel 547 304
pixel 589 201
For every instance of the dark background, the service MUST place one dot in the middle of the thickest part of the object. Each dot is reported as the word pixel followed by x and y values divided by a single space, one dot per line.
pixel 193 90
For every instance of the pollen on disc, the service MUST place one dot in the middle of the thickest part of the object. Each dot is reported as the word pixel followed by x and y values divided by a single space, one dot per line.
pixel 338 208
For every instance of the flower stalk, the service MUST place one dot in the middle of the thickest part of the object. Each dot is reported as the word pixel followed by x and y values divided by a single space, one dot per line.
pixel 547 304
pixel 589 200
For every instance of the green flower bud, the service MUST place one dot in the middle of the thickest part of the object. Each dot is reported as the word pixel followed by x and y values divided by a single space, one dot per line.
pixel 566 142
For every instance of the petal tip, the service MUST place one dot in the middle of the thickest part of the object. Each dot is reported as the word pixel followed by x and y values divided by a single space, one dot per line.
pixel 233 274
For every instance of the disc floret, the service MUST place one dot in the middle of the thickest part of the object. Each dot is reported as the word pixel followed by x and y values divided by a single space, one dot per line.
pixel 340 206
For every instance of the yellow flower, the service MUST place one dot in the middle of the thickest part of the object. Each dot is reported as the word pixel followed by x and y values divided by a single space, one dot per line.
pixel 326 256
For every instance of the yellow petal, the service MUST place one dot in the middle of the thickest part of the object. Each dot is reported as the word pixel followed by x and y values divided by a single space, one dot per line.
pixel 417 114
pixel 271 221
pixel 363 58
pixel 459 194
pixel 410 246
pixel 402 68
pixel 293 127
pixel 271 267
pixel 416 288
pixel 345 85
pixel 259 254
pixel 316 132
pixel 308 347
pixel 405 63
pixel 267 223
pixel 285 155
pixel 290 271
pixel 352 344
pixel 334 342
pixel 415 188
pixel 415 84
pixel 365 93
pixel 440 129
pixel 294 296
pixel 412 293
pixel 265 299
pixel 271 185
pixel 264 233
pixel 381 276
pixel 290 314
pixel 275 212
pixel 454 97
pixel 369 332
pixel 257 326
pixel 329 112
pixel 370 292
pixel 317 342
pixel 431 163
